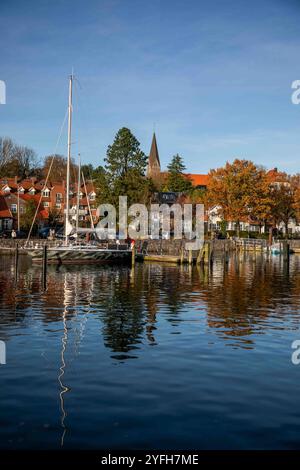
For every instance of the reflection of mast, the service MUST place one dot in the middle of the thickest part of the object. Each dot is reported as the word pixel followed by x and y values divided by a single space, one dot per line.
pixel 64 389
pixel 64 340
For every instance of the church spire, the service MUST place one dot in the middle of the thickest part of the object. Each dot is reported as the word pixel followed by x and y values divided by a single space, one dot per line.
pixel 154 162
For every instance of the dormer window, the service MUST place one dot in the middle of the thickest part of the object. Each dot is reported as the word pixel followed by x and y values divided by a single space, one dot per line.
pixel 81 195
pixel 6 189
pixel 92 196
pixel 46 192
pixel 21 190
pixel 32 191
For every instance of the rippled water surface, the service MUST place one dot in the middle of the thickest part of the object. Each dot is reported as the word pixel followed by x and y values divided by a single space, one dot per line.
pixel 159 357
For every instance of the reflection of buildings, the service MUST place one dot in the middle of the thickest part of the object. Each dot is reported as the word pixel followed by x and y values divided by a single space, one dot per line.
pixel 237 300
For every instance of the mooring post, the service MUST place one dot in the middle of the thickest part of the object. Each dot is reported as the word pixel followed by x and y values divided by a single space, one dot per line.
pixel 190 256
pixel 211 251
pixel 16 260
pixel 133 256
pixel 182 254
pixel 286 251
pixel 206 253
pixel 200 255
pixel 44 274
pixel 225 251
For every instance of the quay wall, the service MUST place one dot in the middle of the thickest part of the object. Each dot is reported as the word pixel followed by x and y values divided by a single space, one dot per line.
pixel 151 247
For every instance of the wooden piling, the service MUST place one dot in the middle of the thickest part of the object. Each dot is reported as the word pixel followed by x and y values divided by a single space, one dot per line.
pixel 16 261
pixel 200 255
pixel 211 251
pixel 286 251
pixel 133 256
pixel 182 254
pixel 44 274
pixel 206 253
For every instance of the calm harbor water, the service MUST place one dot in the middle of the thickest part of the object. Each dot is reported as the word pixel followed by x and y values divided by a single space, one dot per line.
pixel 159 357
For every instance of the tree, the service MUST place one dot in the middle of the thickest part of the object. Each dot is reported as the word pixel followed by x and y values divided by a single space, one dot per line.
pixel 177 181
pixel 54 216
pixel 124 171
pixel 16 160
pixel 87 171
pixel 262 202
pixel 59 168
pixel 125 155
pixel 26 218
pixel 296 185
pixel 283 204
pixel 234 189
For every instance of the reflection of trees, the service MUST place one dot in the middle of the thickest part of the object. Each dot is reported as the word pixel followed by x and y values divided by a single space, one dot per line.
pixel 240 298
pixel 122 314
pixel 249 294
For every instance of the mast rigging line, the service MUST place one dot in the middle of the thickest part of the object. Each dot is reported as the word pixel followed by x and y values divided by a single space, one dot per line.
pixel 47 177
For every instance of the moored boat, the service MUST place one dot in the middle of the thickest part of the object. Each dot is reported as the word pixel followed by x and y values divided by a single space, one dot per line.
pixel 82 254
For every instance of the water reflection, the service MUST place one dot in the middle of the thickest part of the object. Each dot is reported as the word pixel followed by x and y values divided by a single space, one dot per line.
pixel 239 299
pixel 92 318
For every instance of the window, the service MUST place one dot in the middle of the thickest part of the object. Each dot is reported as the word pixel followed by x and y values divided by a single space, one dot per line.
pixel 58 197
pixel 46 193
pixel 14 208
pixel 6 189
pixel 92 196
pixel 21 190
pixel 22 209
pixel 58 205
pixel 46 204
pixel 32 191
pixel 80 195
pixel 6 224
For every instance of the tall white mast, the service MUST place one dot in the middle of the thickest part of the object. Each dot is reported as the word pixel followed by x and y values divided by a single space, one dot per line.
pixel 69 157
pixel 78 193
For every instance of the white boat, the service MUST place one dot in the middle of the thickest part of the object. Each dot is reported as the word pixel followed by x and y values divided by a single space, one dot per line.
pixel 83 254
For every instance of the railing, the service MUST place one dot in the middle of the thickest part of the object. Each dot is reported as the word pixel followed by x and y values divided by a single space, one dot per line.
pixel 250 243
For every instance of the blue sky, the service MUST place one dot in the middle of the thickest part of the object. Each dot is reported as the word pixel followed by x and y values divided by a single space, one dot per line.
pixel 213 77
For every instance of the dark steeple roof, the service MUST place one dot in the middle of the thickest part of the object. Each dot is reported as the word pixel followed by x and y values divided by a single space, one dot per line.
pixel 154 162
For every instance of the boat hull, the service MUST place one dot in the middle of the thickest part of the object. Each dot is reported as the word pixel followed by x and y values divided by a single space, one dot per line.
pixel 82 256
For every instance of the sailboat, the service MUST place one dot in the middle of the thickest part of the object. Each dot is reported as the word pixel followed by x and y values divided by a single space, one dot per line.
pixel 72 252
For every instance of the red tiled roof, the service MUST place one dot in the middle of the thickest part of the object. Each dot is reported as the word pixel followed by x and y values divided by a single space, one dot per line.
pixel 276 176
pixel 4 210
pixel 198 180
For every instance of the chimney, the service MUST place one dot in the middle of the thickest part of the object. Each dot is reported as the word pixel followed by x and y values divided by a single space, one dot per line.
pixel 16 180
pixel 33 179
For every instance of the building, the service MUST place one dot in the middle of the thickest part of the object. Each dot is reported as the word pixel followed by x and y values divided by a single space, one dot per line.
pixel 51 199
pixel 153 169
pixel 6 217
pixel 213 220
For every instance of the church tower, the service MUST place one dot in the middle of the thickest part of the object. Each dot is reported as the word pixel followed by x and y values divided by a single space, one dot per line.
pixel 153 169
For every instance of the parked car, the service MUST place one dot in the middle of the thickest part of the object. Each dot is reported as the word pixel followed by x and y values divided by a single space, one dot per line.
pixel 43 232
pixel 21 234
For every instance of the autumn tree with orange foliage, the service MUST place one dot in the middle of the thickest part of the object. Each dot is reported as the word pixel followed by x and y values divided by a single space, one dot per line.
pixel 285 196
pixel 239 190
